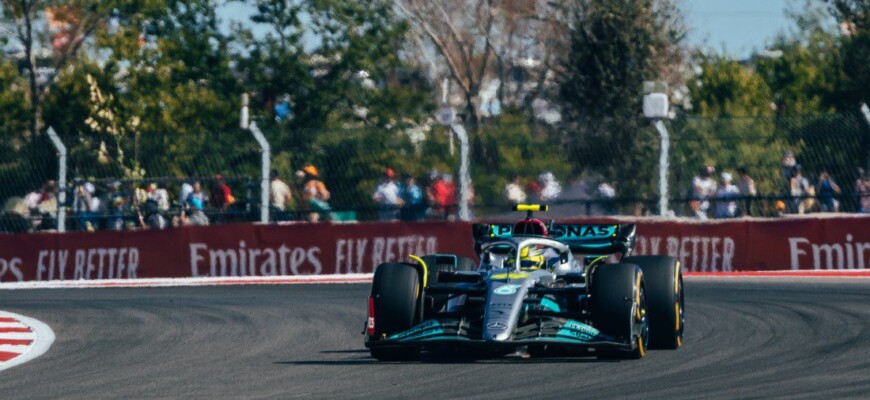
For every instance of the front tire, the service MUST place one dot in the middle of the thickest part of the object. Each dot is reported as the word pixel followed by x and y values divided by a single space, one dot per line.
pixel 665 299
pixel 618 305
pixel 396 289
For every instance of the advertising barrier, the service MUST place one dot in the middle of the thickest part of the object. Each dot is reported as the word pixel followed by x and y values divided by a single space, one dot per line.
pixel 312 249
pixel 224 250
pixel 833 243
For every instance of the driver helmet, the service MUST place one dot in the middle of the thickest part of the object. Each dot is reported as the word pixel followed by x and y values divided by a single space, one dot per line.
pixel 531 258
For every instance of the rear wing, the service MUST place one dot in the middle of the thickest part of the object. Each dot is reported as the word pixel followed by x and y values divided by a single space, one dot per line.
pixel 590 239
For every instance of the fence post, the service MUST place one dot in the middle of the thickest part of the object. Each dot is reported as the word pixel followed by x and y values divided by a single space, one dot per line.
pixel 61 179
pixel 663 166
pixel 464 175
pixel 866 111
pixel 265 164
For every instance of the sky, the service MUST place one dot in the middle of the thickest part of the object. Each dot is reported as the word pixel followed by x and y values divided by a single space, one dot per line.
pixel 735 27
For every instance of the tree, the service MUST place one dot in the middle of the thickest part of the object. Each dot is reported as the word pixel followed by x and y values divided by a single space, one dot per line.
pixel 510 45
pixel 726 88
pixel 16 173
pixel 461 34
pixel 732 109
pixel 615 46
pixel 854 18
pixel 170 69
pixel 69 25
pixel 804 68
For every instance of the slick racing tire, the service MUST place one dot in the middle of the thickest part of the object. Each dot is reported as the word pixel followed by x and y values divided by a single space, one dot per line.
pixel 664 299
pixel 395 289
pixel 619 308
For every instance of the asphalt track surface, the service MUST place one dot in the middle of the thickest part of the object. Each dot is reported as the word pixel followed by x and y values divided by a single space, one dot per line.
pixel 746 338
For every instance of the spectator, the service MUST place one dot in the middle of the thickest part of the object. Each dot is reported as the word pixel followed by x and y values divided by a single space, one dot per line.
pixel 315 194
pixel 607 193
pixel 159 195
pixel 186 189
pixel 412 197
pixel 298 188
pixel 550 187
pixel 41 204
pixel 139 197
pixel 747 190
pixel 150 217
pixel 788 165
pixel 49 198
pixel 726 205
pixel 435 210
pixel 387 196
pixel 88 205
pixel 32 200
pixel 193 215
pixel 281 195
pixel 862 191
pixel 514 192
pixel 779 207
pixel 703 188
pixel 827 190
pixel 799 188
pixel 197 197
pixel 116 205
pixel 439 194
pixel 534 192
pixel 221 196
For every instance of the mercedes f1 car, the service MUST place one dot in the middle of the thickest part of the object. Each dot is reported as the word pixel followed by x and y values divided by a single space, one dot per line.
pixel 546 289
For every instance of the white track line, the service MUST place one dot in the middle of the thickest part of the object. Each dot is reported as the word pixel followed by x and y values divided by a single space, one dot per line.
pixel 42 336
pixel 364 278
pixel 205 281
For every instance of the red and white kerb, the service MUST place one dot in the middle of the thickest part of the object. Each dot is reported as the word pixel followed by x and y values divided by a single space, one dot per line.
pixel 22 339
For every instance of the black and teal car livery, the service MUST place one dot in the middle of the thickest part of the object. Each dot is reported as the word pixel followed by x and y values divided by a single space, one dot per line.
pixel 566 300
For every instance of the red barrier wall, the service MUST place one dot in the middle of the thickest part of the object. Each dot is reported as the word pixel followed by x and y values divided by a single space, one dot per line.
pixel 761 245
pixel 258 250
pixel 224 250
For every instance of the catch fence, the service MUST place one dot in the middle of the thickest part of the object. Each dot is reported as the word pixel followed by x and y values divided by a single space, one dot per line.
pixel 603 166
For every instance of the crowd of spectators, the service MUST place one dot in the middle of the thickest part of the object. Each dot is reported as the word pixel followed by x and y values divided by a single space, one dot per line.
pixel 546 188
pixel 799 194
pixel 406 200
pixel 303 196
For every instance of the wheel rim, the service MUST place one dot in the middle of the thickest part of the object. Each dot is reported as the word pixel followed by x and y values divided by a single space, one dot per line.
pixel 681 316
pixel 641 322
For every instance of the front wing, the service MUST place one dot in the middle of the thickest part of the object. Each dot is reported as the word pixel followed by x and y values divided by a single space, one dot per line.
pixel 565 333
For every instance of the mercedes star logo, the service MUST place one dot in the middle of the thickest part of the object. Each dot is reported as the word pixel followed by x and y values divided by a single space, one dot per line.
pixel 496 325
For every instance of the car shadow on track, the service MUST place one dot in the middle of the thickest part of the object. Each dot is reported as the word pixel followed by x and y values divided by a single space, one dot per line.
pixel 444 359
pixel 344 351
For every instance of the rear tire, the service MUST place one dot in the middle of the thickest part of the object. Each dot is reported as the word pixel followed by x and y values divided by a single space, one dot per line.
pixel 665 299
pixel 395 289
pixel 619 308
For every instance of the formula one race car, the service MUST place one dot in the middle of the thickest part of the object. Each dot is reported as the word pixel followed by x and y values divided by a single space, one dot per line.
pixel 540 289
